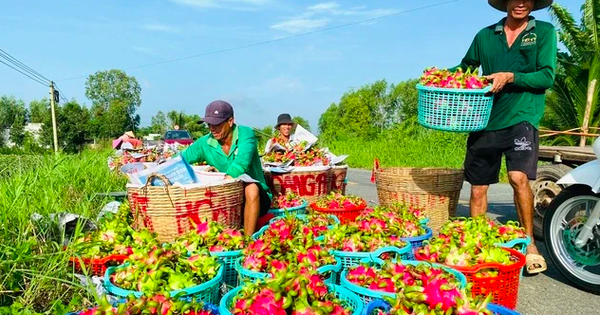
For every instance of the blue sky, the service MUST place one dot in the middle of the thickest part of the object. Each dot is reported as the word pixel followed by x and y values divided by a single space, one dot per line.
pixel 302 75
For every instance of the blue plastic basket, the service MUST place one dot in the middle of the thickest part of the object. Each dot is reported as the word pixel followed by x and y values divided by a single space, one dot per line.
pixel 458 110
pixel 207 307
pixel 341 293
pixel 417 241
pixel 367 295
pixel 519 244
pixel 301 209
pixel 349 259
pixel 207 292
pixel 230 276
pixel 252 276
pixel 373 307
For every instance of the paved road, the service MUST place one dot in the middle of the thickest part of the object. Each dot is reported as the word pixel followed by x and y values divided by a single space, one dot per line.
pixel 547 293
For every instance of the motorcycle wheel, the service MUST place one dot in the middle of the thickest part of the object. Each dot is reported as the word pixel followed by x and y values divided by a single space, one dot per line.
pixel 564 217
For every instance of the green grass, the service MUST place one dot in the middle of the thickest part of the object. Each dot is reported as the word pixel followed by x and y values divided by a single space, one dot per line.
pixel 423 148
pixel 33 266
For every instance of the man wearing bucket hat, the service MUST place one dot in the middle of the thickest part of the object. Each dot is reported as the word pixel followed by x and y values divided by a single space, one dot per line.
pixel 232 149
pixel 284 126
pixel 518 55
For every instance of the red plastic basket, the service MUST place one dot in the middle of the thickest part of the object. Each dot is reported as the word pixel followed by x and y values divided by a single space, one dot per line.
pixel 344 215
pixel 96 267
pixel 504 287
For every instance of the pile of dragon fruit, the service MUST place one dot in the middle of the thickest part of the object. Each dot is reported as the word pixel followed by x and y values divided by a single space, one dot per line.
pixel 398 222
pixel 393 277
pixel 335 200
pixel 301 156
pixel 287 241
pixel 292 291
pixel 459 79
pixel 447 301
pixel 149 304
pixel 114 236
pixel 164 268
pixel 364 236
pixel 212 236
pixel 472 241
pixel 288 200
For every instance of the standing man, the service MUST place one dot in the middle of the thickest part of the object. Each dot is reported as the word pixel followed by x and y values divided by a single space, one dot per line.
pixel 232 150
pixel 518 54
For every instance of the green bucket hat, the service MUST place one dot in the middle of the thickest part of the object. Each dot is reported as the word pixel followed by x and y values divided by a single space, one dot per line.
pixel 501 4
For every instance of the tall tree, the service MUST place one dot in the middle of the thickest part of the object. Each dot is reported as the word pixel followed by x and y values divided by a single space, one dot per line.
pixel 115 97
pixel 74 120
pixel 38 109
pixel 302 122
pixel 159 123
pixel 577 67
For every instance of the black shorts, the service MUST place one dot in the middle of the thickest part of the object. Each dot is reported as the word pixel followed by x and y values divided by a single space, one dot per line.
pixel 518 143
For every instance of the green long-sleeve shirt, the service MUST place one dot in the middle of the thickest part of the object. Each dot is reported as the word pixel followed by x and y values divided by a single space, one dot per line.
pixel 532 59
pixel 242 158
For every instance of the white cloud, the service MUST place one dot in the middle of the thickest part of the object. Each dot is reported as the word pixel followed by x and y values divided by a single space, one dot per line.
pixel 224 4
pixel 324 6
pixel 160 28
pixel 300 25
pixel 320 14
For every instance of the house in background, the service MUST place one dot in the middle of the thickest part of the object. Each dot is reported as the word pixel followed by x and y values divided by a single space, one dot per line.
pixel 33 128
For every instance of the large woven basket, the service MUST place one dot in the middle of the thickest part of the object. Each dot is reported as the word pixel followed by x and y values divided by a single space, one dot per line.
pixel 170 210
pixel 308 184
pixel 436 190
pixel 338 181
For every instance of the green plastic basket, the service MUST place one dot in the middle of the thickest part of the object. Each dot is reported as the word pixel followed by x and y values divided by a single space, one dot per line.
pixel 301 209
pixel 352 300
pixel 252 276
pixel 207 292
pixel 367 295
pixel 458 110
pixel 230 276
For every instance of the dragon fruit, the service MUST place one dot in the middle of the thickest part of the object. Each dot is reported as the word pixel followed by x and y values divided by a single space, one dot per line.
pixel 335 200
pixel 443 78
pixel 394 277
pixel 468 242
pixel 213 236
pixel 293 291
pixel 397 220
pixel 149 304
pixel 357 237
pixel 289 200
pixel 154 269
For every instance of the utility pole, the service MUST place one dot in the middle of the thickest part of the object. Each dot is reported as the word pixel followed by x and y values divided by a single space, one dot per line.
pixel 53 99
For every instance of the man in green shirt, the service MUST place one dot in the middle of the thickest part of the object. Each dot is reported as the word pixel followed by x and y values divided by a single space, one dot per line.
pixel 232 149
pixel 518 54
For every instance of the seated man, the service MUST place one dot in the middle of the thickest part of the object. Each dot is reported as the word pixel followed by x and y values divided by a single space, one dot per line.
pixel 232 149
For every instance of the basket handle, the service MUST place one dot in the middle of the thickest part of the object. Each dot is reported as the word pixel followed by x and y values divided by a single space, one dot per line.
pixel 388 249
pixel 162 177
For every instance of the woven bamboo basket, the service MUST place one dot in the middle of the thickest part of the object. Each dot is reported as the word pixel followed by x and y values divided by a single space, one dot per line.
pixel 436 190
pixel 338 181
pixel 171 211
pixel 310 184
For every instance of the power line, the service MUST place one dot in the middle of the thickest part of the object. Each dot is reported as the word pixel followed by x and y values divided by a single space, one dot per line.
pixel 8 57
pixel 25 74
pixel 276 40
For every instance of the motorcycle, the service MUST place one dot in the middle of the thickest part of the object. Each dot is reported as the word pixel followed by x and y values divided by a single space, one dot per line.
pixel 572 225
